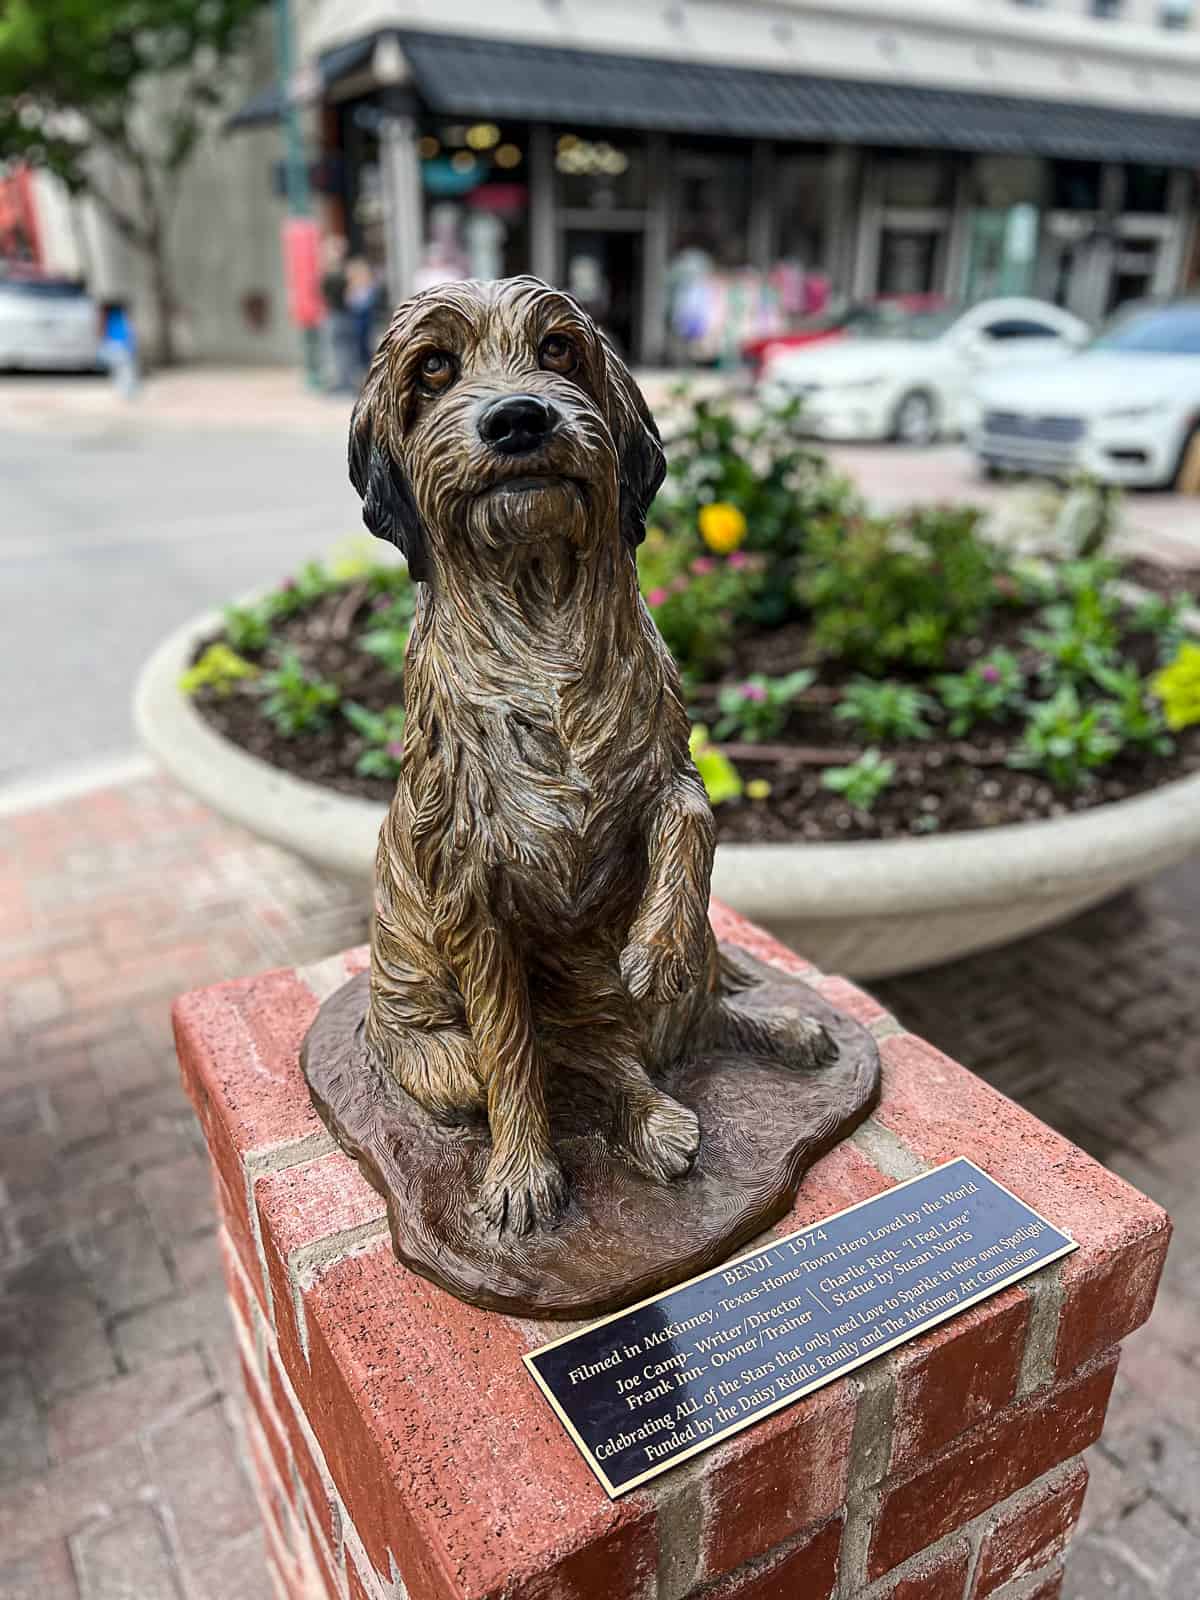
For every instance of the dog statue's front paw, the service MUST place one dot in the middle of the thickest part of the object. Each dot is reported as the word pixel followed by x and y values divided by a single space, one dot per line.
pixel 523 1191
pixel 657 972
pixel 661 1137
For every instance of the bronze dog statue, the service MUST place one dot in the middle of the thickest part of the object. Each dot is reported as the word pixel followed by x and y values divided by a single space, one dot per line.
pixel 542 879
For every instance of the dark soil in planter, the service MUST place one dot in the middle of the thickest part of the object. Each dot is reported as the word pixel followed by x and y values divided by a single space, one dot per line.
pixel 941 784
pixel 1173 583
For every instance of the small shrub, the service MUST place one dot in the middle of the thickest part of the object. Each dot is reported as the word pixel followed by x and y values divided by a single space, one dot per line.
pixel 1177 686
pixel 989 689
pixel 295 702
pixel 718 774
pixel 1164 620
pixel 896 591
pixel 1066 740
pixel 383 735
pixel 247 629
pixel 758 709
pixel 739 477
pixel 1130 712
pixel 311 583
pixel 387 636
pixel 863 781
pixel 219 669
pixel 886 710
pixel 695 600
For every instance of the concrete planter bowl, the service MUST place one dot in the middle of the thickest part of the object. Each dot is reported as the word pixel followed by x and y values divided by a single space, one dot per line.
pixel 869 909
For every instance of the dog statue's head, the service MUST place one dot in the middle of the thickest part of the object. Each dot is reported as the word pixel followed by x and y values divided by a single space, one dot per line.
pixel 499 414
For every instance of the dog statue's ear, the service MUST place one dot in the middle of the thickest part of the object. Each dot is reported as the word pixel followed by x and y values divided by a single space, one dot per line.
pixel 641 462
pixel 388 510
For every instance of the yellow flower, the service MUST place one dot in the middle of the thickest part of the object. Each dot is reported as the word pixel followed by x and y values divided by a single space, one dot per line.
pixel 1178 687
pixel 758 789
pixel 722 526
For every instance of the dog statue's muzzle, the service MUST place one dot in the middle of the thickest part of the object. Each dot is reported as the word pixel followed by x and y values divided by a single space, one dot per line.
pixel 517 424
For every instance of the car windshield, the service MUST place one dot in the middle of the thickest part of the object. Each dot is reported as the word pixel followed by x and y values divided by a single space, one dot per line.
pixel 43 288
pixel 1168 331
pixel 896 324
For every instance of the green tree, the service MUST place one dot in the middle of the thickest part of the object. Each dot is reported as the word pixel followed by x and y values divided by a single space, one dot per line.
pixel 94 88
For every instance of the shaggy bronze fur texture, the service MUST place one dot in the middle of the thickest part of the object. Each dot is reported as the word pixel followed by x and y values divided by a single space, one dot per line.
pixel 543 872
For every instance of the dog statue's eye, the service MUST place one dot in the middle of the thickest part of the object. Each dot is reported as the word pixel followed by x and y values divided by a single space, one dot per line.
pixel 437 371
pixel 557 353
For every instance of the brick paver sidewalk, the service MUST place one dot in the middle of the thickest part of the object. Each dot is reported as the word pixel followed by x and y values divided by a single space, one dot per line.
pixel 120 1474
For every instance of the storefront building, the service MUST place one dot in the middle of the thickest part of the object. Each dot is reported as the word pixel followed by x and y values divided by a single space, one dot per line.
pixel 695 187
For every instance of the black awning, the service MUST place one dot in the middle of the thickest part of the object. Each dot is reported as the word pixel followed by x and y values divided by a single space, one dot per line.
pixel 267 105
pixel 463 76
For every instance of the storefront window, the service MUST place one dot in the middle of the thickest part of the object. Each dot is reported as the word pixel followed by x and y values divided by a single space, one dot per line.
pixel 711 209
pixel 801 200
pixel 475 185
pixel 999 182
pixel 917 182
pixel 908 261
pixel 1076 185
pixel 599 172
pixel 1147 189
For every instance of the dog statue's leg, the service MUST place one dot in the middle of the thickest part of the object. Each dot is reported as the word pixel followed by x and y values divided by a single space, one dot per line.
pixel 589 1030
pixel 667 951
pixel 523 1185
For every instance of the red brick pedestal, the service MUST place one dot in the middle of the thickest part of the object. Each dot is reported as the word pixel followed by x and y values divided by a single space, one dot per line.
pixel 403 1451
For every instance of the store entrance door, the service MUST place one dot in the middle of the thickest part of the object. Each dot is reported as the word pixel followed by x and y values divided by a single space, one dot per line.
pixel 602 268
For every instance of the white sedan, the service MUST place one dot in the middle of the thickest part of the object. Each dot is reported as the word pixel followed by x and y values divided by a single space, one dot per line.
pixel 909 377
pixel 1126 409
pixel 48 324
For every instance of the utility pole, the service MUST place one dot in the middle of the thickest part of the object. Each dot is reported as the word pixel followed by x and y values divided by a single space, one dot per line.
pixel 295 164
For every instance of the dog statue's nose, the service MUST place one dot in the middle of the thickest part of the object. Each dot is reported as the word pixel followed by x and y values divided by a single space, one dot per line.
pixel 517 424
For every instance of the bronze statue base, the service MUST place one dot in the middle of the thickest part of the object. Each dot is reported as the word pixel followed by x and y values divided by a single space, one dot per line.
pixel 623 1237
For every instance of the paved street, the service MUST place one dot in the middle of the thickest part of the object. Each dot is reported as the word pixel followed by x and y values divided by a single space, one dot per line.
pixel 115 529
pixel 119 521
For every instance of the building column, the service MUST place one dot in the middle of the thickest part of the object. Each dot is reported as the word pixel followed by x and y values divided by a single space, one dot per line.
pixel 763 231
pixel 841 210
pixel 543 222
pixel 864 277
pixel 404 224
pixel 656 246
pixel 1171 276
pixel 954 273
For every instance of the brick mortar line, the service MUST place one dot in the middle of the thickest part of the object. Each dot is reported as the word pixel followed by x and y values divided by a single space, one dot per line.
pixel 350 1536
pixel 870 1452
pixel 680 1517
pixel 305 1264
pixel 973 1531
pixel 260 1164
pixel 1046 1295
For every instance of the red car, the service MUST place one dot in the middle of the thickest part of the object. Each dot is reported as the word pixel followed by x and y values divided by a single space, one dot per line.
pixel 837 324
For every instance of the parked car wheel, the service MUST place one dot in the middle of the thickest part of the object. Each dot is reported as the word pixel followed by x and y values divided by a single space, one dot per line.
pixel 1186 479
pixel 916 420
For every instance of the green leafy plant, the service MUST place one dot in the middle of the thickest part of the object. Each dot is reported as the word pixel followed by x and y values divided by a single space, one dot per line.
pixel 1165 620
pixel 758 708
pixel 989 689
pixel 889 591
pixel 219 669
pixel 295 594
pixel 383 737
pixel 749 459
pixel 387 636
pixel 863 781
pixel 1066 740
pixel 721 779
pixel 695 600
pixel 887 710
pixel 1131 712
pixel 1177 686
pixel 247 629
pixel 297 703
